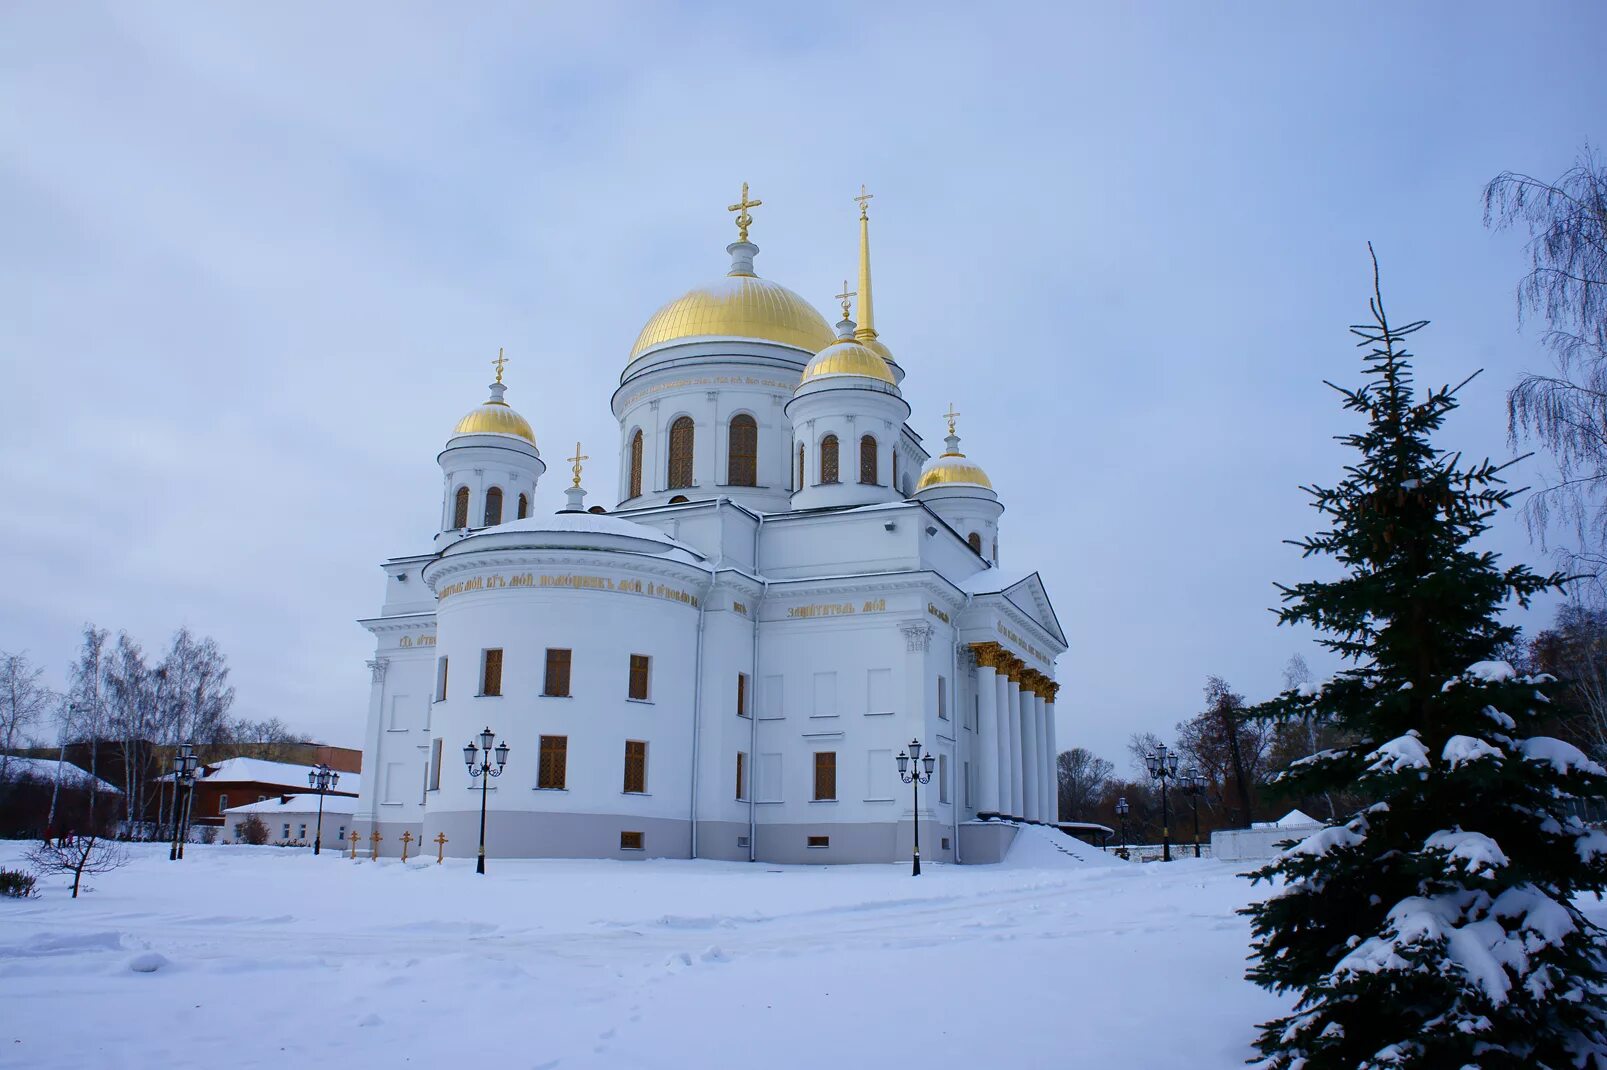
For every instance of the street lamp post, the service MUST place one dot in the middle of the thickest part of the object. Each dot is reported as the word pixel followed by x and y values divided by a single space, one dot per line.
pixel 1121 812
pixel 184 766
pixel 1193 782
pixel 1162 765
pixel 909 770
pixel 321 778
pixel 478 760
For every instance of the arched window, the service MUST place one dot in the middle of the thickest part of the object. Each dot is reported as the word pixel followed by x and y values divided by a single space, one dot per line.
pixel 681 452
pixel 493 506
pixel 679 499
pixel 867 459
pixel 799 485
pixel 636 465
pixel 828 459
pixel 524 507
pixel 976 542
pixel 460 508
pixel 597 509
pixel 742 452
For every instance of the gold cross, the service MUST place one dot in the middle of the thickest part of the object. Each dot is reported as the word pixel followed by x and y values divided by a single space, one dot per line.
pixel 744 220
pixel 500 363
pixel 951 416
pixel 845 295
pixel 862 198
pixel 576 459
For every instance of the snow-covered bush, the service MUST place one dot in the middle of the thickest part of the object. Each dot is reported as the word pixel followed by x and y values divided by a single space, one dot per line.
pixel 1436 928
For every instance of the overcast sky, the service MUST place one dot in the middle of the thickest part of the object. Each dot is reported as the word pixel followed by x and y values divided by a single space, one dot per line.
pixel 256 259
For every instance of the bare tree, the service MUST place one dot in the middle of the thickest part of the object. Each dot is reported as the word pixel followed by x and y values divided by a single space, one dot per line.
pixel 23 701
pixel 1575 650
pixel 1082 776
pixel 198 677
pixel 86 704
pixel 1566 408
pixel 84 854
pixel 1138 745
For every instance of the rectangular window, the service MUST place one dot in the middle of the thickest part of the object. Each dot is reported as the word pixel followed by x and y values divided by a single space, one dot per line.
pixel 557 684
pixel 942 699
pixel 879 769
pixel 635 766
pixel 769 777
pixel 223 803
pixel 640 663
pixel 398 713
pixel 435 764
pixel 770 707
pixel 287 832
pixel 742 694
pixel 554 762
pixel 440 679
pixel 491 671
pixel 942 778
pixel 302 835
pixel 825 775
pixel 742 776
pixel 396 782
pixel 966 770
pixel 825 694
pixel 742 842
pixel 879 691
pixel 820 841
pixel 630 841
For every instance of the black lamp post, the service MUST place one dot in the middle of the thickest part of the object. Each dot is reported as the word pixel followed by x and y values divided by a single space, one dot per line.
pixel 909 771
pixel 1121 812
pixel 321 778
pixel 1193 782
pixel 1162 765
pixel 185 763
pixel 478 760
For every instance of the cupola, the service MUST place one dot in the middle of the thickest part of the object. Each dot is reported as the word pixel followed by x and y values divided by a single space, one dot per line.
pixel 489 468
pixel 957 489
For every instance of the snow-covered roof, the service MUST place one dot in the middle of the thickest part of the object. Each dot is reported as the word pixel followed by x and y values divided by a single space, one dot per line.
pixel 1294 819
pixel 304 803
pixel 262 771
pixel 579 525
pixel 46 768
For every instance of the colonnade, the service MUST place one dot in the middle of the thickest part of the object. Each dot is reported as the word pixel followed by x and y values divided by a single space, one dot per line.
pixel 1016 711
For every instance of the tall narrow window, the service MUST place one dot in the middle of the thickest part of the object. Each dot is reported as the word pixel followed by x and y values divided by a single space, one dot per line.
pixel 975 541
pixel 828 459
pixel 491 671
pixel 867 459
pixel 942 698
pixel 223 804
pixel 825 775
pixel 895 469
pixel 799 485
pixel 640 664
pixel 493 507
pixel 635 766
pixel 440 679
pixel 636 465
pixel 742 452
pixel 435 764
pixel 557 681
pixel 742 776
pixel 742 694
pixel 554 763
pixel 460 508
pixel 524 507
pixel 942 778
pixel 680 453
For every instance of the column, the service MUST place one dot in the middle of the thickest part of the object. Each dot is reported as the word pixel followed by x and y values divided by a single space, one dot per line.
pixel 1049 689
pixel 987 756
pixel 1018 784
pixel 1031 752
pixel 1002 718
pixel 1046 763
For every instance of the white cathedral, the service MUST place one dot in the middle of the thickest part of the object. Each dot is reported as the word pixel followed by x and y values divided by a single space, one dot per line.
pixel 725 664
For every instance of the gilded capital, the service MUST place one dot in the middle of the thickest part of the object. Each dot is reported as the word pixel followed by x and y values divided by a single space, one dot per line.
pixel 1051 689
pixel 989 655
pixel 1014 668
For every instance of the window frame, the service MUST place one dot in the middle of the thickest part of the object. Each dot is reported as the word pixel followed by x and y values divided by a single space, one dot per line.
pixel 441 667
pixel 552 763
pixel 742 465
pixel 639 845
pixel 830 470
pixel 680 472
pixel 640 758
pixel 825 767
pixel 491 662
pixel 460 508
pixel 548 679
pixel 743 787
pixel 646 678
pixel 492 494
pixel 744 695
pixel 635 474
pixel 873 467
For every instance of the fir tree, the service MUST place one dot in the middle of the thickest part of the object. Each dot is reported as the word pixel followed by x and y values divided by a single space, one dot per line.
pixel 1437 927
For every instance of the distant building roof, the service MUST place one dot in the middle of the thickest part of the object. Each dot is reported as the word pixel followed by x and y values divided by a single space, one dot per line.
pixel 46 769
pixel 261 771
pixel 297 804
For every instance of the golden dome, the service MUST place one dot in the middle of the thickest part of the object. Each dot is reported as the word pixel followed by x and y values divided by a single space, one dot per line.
pixel 495 417
pixel 952 468
pixel 737 306
pixel 847 357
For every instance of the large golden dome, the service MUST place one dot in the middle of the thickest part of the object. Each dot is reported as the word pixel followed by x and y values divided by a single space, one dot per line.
pixel 495 417
pixel 952 468
pixel 847 357
pixel 737 306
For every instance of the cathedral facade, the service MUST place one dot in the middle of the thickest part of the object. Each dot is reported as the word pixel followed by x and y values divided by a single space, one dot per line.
pixel 788 590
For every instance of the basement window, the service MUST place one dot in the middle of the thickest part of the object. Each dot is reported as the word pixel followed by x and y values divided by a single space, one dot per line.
pixel 820 841
pixel 630 841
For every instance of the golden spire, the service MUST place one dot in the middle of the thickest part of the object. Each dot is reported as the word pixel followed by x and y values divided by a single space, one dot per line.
pixel 951 416
pixel 867 313
pixel 500 362
pixel 844 296
pixel 744 220
pixel 575 460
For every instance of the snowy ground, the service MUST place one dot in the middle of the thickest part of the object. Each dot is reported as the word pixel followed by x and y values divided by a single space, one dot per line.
pixel 274 958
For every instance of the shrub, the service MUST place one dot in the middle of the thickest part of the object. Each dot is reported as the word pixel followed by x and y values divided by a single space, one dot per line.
pixel 252 830
pixel 16 883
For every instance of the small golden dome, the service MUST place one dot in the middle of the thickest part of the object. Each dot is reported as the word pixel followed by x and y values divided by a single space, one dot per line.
pixel 737 306
pixel 495 417
pixel 952 468
pixel 847 357
pixel 877 346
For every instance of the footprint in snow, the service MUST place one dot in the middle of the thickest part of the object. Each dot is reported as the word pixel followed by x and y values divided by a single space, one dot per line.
pixel 715 954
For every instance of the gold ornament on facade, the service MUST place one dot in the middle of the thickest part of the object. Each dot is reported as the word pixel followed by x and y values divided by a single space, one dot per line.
pixel 989 655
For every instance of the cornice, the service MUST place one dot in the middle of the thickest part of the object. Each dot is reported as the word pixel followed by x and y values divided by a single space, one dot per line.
pixel 536 558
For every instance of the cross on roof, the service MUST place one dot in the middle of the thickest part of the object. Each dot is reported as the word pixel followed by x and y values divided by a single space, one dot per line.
pixel 744 220
pixel 575 460
pixel 845 295
pixel 951 416
pixel 500 363
pixel 862 198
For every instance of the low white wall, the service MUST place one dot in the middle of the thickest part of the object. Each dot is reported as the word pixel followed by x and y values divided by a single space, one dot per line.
pixel 336 827
pixel 1255 845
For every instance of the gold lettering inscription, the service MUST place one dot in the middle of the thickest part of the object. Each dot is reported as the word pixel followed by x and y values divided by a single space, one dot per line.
pixel 938 613
pixel 570 581
pixel 837 609
pixel 1023 644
